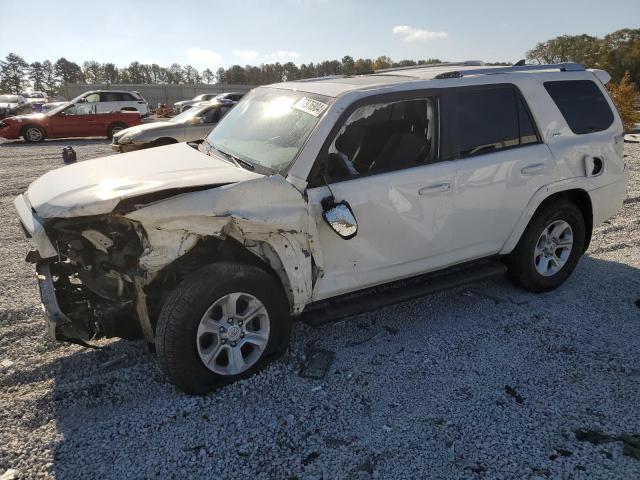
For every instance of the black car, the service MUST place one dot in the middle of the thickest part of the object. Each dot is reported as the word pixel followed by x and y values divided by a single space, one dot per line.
pixel 11 105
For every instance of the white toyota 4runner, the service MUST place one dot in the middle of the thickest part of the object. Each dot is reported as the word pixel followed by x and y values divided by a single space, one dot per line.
pixel 322 198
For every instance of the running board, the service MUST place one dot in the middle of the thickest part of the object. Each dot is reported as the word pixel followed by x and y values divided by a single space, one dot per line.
pixel 370 299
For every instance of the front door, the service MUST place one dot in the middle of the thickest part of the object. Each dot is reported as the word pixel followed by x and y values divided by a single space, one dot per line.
pixel 77 120
pixel 383 162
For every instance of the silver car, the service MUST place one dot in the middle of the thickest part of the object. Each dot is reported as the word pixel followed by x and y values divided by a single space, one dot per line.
pixel 189 126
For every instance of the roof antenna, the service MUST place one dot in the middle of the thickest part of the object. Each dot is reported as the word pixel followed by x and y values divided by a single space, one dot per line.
pixel 520 63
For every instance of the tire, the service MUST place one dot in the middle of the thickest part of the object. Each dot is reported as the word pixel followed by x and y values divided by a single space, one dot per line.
pixel 526 262
pixel 33 134
pixel 115 128
pixel 180 340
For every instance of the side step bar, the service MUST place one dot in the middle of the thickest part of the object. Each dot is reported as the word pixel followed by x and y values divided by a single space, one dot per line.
pixel 401 291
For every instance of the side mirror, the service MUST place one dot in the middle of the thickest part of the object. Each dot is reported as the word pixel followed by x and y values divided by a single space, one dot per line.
pixel 339 217
pixel 197 120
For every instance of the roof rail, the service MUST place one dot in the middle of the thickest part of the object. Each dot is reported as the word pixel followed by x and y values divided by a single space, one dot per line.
pixel 467 63
pixel 563 67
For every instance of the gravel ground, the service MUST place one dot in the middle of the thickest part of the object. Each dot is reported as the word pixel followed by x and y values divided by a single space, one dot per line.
pixel 479 382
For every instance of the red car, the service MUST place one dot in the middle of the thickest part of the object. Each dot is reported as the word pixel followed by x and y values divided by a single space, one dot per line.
pixel 69 120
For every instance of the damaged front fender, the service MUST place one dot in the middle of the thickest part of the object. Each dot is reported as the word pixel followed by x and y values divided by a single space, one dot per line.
pixel 267 216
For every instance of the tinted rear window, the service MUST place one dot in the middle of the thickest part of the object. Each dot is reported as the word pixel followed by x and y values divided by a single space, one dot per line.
pixel 582 105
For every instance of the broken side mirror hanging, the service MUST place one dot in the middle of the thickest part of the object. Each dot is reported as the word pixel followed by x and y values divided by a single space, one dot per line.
pixel 339 217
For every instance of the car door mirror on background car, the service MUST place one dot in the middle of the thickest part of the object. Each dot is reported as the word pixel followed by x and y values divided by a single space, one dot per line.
pixel 339 217
pixel 197 120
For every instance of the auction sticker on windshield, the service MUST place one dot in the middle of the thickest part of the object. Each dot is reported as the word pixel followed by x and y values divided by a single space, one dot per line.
pixel 310 106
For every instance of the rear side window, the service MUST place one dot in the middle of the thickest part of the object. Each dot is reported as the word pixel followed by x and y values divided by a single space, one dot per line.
pixel 582 105
pixel 491 119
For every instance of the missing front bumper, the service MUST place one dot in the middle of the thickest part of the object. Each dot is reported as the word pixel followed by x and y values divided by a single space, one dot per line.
pixel 74 312
pixel 57 322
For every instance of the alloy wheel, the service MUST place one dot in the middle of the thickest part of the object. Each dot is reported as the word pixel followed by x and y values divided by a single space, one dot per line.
pixel 233 333
pixel 553 248
pixel 34 135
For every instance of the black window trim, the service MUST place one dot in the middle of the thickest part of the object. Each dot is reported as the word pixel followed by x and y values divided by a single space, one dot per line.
pixel 453 134
pixel 406 95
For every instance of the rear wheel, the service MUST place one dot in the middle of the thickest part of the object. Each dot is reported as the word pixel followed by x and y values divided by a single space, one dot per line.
pixel 549 249
pixel 33 134
pixel 115 128
pixel 224 323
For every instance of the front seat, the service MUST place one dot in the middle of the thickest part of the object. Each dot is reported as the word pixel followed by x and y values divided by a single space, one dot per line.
pixel 403 150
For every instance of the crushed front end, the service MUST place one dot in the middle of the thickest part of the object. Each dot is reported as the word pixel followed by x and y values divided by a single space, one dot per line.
pixel 90 283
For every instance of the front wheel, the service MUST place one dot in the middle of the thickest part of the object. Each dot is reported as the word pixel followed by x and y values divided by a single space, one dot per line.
pixel 224 323
pixel 33 134
pixel 549 249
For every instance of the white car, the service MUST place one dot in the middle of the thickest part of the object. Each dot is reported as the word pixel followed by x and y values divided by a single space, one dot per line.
pixel 36 99
pixel 109 101
pixel 633 136
pixel 327 197
pixel 187 104
pixel 190 126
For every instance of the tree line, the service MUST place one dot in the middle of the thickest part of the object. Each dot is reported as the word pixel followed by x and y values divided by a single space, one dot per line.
pixel 17 75
pixel 617 52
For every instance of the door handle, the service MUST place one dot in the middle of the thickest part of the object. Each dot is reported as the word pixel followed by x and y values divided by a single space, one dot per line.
pixel 533 169
pixel 438 188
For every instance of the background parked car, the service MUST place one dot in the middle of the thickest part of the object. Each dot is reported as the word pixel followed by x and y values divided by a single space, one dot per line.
pixel 214 101
pixel 36 99
pixel 110 101
pixel 187 104
pixel 72 120
pixel 13 105
pixel 233 96
pixel 189 126
pixel 633 136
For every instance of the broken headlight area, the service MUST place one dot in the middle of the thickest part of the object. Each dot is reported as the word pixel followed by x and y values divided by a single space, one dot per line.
pixel 89 290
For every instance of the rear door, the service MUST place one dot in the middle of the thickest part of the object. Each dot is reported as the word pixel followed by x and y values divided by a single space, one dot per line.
pixel 500 163
pixel 110 102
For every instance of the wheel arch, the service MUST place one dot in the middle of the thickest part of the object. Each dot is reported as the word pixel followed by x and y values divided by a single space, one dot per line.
pixel 24 128
pixel 164 141
pixel 578 196
pixel 208 251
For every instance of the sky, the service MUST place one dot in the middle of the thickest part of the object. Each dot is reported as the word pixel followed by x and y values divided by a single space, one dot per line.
pixel 211 34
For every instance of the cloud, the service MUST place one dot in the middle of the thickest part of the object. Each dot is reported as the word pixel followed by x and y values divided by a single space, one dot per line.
pixel 281 55
pixel 410 34
pixel 202 57
pixel 246 55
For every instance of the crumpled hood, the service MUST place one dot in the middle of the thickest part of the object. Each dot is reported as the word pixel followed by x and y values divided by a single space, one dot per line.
pixel 95 187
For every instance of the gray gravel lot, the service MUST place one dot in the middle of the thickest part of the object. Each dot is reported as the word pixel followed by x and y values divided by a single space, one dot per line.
pixel 480 382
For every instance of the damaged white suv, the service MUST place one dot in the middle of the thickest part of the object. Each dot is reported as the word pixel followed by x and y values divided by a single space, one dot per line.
pixel 323 198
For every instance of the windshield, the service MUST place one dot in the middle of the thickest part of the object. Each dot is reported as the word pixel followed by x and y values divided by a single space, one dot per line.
pixel 57 109
pixel 269 126
pixel 8 99
pixel 188 115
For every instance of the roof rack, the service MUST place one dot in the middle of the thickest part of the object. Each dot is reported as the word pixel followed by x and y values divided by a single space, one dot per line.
pixel 563 67
pixel 467 63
